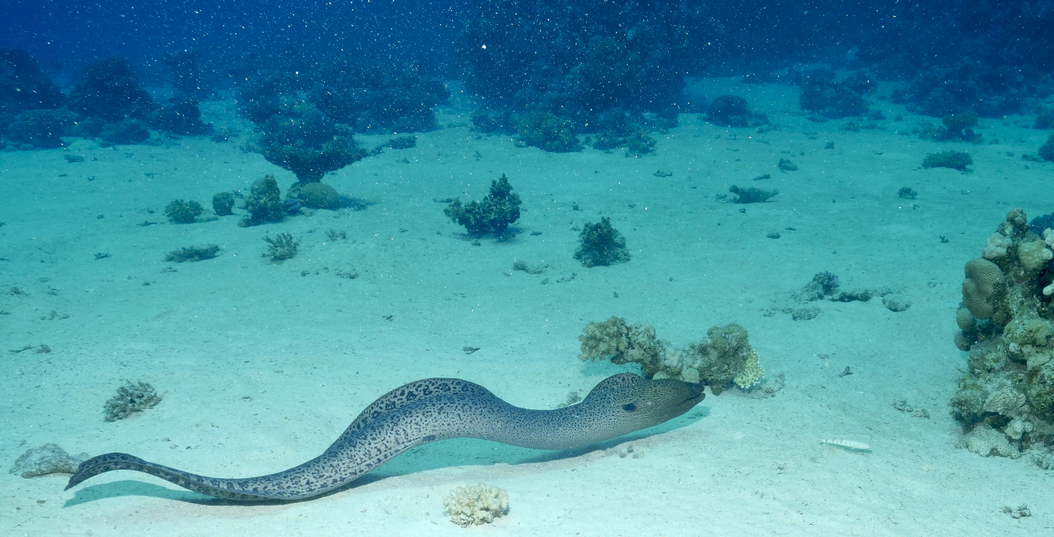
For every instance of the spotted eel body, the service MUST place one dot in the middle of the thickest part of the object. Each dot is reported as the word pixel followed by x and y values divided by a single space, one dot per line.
pixel 430 410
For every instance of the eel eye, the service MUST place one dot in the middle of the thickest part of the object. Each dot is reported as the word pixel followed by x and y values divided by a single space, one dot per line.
pixel 629 407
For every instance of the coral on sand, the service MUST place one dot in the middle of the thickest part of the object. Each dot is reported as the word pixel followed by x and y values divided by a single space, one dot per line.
pixel 304 140
pixel 310 164
pixel 600 244
pixel 492 215
pixel 730 111
pixel 264 203
pixel 193 253
pixel 180 116
pixel 131 399
pixel 222 204
pixel 319 196
pixel 724 358
pixel 475 505
pixel 23 86
pixel 956 160
pixel 547 132
pixel 183 212
pixel 751 194
pixel 1046 151
pixel 282 247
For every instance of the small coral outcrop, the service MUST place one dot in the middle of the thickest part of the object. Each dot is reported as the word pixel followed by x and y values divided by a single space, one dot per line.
pixel 956 160
pixel 128 131
pixel 183 212
pixel 733 111
pixel 493 215
pixel 600 244
pixel 721 360
pixel 264 203
pixel 131 399
pixel 282 247
pixel 548 132
pixel 1046 151
pixel 193 253
pixel 23 85
pixel 955 128
pixel 1005 401
pixel 319 196
pixel 222 204
pixel 751 194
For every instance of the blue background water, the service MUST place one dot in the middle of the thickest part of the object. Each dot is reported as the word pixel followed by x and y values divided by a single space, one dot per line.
pixel 64 31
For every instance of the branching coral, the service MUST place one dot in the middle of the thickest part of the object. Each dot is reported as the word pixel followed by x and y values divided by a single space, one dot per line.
pixel 282 247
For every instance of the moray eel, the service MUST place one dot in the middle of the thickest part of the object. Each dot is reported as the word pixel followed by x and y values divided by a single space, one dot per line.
pixel 428 411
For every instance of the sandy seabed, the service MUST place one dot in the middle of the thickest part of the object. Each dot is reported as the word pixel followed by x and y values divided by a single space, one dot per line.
pixel 261 365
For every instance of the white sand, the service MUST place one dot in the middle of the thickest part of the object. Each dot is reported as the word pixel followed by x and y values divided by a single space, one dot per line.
pixel 262 365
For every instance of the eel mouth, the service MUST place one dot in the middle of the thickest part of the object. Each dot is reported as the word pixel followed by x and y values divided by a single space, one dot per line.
pixel 695 394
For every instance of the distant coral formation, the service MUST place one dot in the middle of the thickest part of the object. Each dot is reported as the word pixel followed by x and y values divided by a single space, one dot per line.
pixel 820 93
pixel 733 111
pixel 110 91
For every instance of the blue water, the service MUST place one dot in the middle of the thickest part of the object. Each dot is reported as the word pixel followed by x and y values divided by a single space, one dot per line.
pixel 60 32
